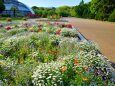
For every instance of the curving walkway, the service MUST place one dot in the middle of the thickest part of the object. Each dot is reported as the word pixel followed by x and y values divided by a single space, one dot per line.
pixel 103 33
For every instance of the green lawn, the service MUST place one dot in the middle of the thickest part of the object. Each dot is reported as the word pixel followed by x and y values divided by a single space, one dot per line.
pixel 4 19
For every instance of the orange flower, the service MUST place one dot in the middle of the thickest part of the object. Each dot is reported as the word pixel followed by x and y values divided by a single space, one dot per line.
pixel 85 69
pixel 76 62
pixel 58 31
pixel 39 29
pixel 63 69
pixel 85 79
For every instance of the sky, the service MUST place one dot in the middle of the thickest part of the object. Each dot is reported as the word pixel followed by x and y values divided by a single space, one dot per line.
pixel 51 3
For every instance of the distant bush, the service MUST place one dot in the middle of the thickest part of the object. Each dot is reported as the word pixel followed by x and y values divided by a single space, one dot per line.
pixel 24 18
pixel 53 16
pixel 112 17
pixel 8 19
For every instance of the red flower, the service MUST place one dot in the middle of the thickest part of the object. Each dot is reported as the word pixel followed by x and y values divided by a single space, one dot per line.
pixel 69 26
pixel 8 28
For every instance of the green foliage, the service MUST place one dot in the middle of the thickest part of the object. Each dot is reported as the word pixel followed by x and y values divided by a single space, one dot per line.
pixel 24 18
pixel 112 17
pixel 102 8
pixel 44 12
pixel 72 11
pixel 83 10
pixel 95 9
pixel 63 11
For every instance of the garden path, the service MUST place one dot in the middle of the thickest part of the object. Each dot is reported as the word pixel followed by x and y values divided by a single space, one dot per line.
pixel 103 33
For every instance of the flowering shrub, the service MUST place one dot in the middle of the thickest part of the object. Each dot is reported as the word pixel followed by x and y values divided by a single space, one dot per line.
pixel 69 32
pixel 30 15
pixel 48 75
pixel 9 19
pixel 8 27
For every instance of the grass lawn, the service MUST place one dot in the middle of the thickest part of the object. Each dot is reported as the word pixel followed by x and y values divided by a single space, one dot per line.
pixel 4 19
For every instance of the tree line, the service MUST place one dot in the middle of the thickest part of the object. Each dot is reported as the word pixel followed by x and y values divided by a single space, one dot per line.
pixel 95 9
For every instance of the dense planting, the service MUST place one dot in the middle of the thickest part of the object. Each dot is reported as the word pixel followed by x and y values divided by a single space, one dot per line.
pixel 50 54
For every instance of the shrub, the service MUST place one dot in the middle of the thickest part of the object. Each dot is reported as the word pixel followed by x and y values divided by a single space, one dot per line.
pixel 25 19
pixel 67 32
pixel 112 17
pixel 9 19
pixel 48 75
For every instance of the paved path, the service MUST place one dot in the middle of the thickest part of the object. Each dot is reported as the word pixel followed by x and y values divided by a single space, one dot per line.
pixel 103 33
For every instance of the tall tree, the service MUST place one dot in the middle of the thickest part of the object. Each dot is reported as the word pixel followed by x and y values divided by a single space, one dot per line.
pixel 81 3
pixel 63 11
pixel 102 8
pixel 2 6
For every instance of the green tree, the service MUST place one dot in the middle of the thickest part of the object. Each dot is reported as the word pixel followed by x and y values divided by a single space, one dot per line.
pixel 72 11
pixel 83 10
pixel 102 8
pixel 2 6
pixel 81 3
pixel 63 11
pixel 112 16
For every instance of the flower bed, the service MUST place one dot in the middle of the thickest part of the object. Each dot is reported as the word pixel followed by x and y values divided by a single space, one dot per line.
pixel 50 54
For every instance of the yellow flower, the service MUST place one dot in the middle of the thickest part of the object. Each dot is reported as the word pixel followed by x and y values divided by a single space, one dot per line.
pixel 63 69
pixel 85 79
pixel 2 63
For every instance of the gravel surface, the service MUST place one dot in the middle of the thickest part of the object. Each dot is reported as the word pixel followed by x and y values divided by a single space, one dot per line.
pixel 103 33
